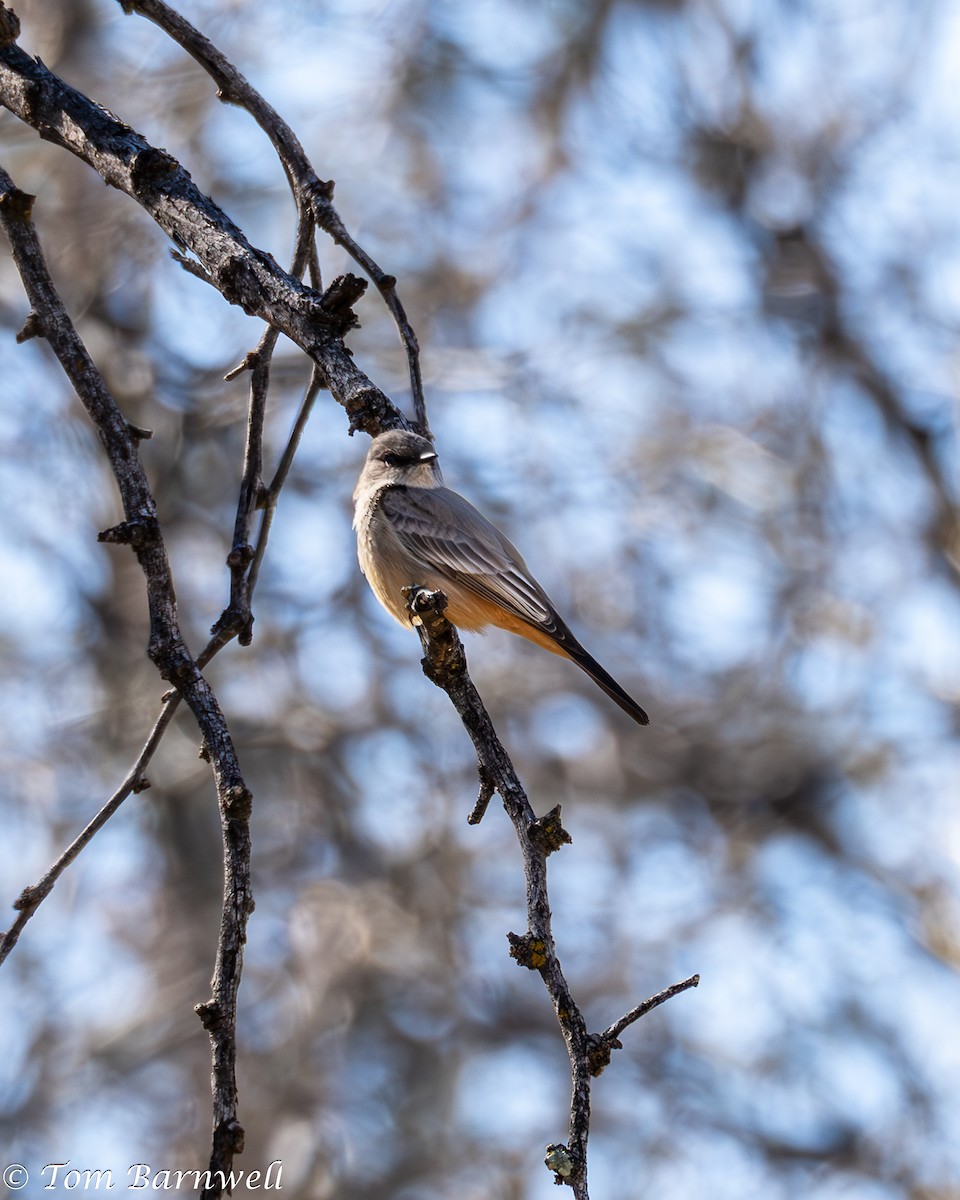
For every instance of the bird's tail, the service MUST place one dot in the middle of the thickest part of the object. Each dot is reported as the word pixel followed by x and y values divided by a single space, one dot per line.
pixel 555 636
pixel 603 679
pixel 561 641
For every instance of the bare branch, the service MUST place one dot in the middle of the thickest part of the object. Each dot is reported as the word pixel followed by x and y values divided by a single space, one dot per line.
pixel 308 189
pixel 167 649
pixel 245 276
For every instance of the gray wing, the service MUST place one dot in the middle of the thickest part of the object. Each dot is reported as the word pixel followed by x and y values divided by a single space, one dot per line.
pixel 447 533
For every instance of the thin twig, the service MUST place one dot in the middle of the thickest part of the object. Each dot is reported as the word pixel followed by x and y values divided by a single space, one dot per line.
pixel 272 492
pixel 238 612
pixel 612 1033
pixel 601 1044
pixel 134 782
pixel 31 898
pixel 331 222
pixel 252 496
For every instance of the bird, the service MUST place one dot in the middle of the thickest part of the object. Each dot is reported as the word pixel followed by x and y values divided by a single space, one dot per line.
pixel 414 532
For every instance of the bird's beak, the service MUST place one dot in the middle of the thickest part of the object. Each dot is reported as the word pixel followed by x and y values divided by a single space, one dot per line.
pixel 428 456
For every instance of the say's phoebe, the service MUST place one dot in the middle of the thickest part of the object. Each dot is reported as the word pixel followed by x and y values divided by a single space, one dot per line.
pixel 412 531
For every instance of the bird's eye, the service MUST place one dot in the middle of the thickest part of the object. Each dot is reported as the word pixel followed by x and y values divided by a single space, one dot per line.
pixel 393 460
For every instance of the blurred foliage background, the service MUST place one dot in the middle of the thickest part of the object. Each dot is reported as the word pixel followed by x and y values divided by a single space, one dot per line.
pixel 686 276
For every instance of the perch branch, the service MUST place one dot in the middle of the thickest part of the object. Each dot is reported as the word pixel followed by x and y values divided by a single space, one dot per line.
pixel 445 664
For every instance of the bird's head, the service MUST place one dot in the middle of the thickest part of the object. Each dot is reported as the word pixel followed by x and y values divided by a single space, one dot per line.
pixel 401 457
